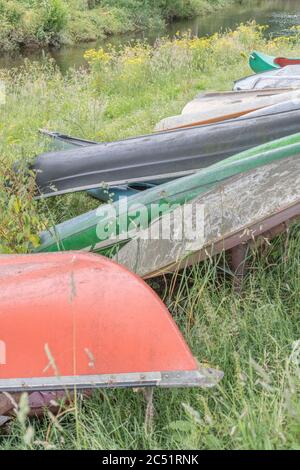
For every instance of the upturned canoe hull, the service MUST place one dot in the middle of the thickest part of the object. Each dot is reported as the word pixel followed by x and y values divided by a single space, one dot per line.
pixel 284 61
pixel 109 227
pixel 65 142
pixel 156 157
pixel 285 107
pixel 260 62
pixel 281 78
pixel 64 325
pixel 239 210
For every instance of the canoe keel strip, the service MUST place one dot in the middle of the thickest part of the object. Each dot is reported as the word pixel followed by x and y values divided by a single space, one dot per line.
pixel 64 324
pixel 238 210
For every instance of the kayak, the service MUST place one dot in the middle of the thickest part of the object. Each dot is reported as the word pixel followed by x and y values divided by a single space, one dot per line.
pixel 260 62
pixel 228 109
pixel 206 101
pixel 268 197
pixel 156 157
pixel 65 325
pixel 285 77
pixel 110 226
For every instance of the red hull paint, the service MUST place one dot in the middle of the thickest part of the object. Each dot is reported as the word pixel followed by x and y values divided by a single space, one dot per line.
pixel 283 62
pixel 71 314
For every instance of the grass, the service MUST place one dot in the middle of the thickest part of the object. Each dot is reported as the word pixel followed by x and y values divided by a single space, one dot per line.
pixel 35 23
pixel 253 338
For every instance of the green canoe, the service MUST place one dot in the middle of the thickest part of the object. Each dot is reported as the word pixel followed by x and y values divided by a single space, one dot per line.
pixel 105 229
pixel 260 62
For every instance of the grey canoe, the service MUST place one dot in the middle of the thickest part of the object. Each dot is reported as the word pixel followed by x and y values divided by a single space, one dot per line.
pixel 157 157
pixel 203 112
pixel 241 209
pixel 285 77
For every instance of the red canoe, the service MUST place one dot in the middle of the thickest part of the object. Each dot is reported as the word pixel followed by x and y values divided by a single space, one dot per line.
pixel 73 319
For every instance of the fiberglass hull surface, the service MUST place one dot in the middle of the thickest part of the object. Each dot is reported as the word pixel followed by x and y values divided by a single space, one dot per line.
pixel 204 101
pixel 102 229
pixel 64 323
pixel 285 107
pixel 260 62
pixel 158 156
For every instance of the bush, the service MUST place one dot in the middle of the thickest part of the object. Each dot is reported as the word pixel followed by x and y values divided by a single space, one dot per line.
pixel 54 15
pixel 11 12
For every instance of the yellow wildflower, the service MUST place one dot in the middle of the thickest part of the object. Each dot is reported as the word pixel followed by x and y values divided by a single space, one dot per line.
pixel 92 56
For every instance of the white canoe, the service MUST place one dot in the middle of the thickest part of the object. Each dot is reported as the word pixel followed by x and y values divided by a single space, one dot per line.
pixel 213 111
pixel 281 78
pixel 204 101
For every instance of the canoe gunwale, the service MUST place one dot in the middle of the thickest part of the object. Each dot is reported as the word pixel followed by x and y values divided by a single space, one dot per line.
pixel 193 378
pixel 67 139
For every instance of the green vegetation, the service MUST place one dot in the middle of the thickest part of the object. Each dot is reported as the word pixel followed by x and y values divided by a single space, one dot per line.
pixel 253 338
pixel 35 23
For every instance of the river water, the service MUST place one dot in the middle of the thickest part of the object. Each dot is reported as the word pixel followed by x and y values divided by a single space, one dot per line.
pixel 279 15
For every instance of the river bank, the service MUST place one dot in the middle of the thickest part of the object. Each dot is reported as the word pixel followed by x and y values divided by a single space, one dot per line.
pixel 35 24
pixel 279 15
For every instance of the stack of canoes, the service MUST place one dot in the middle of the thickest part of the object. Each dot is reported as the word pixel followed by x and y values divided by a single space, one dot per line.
pixel 94 231
pixel 217 136
pixel 274 83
